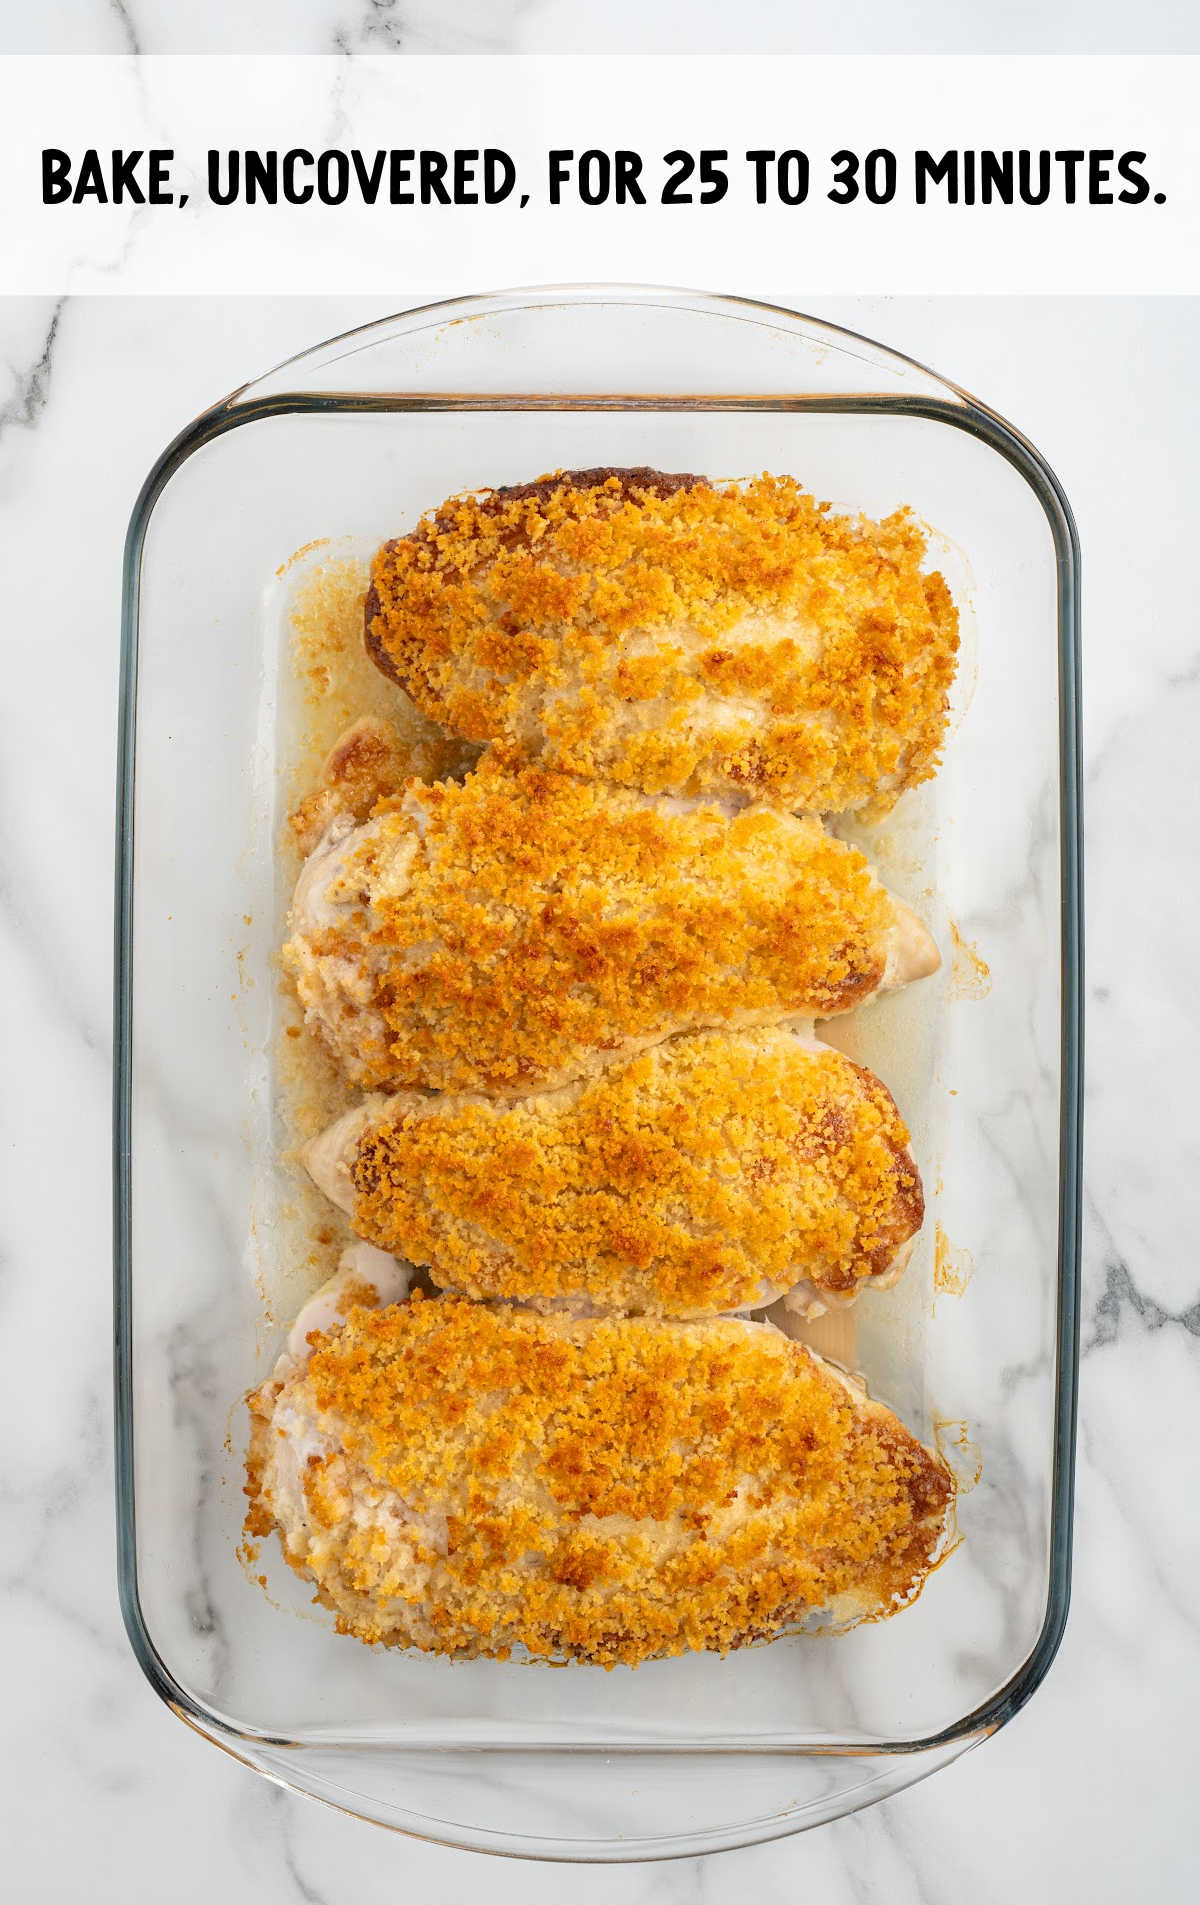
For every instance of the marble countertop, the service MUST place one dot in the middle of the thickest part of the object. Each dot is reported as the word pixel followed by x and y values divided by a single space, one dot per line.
pixel 581 26
pixel 1092 1784
pixel 107 1796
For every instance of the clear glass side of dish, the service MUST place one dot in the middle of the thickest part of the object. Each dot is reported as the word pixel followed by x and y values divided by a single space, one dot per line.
pixel 974 1347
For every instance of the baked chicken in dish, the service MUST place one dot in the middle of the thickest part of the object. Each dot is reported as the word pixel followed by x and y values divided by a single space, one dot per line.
pixel 717 1171
pixel 468 1479
pixel 520 928
pixel 676 635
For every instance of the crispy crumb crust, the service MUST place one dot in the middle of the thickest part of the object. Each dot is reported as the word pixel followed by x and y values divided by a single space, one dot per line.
pixel 472 1479
pixel 678 1183
pixel 560 923
pixel 366 765
pixel 675 635
pixel 332 683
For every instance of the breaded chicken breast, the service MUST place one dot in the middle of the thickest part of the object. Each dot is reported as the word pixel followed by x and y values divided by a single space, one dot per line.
pixel 367 764
pixel 676 636
pixel 714 1172
pixel 468 1479
pixel 365 1278
pixel 523 928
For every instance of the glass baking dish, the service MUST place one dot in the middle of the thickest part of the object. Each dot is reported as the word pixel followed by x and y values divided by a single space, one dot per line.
pixel 340 447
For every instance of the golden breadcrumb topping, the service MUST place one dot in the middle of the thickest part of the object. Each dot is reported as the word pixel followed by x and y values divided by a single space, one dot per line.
pixel 474 1479
pixel 673 635
pixel 541 924
pixel 676 1183
pixel 330 682
pixel 367 764
pixel 327 686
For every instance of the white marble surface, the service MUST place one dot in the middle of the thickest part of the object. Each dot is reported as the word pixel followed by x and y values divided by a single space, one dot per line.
pixel 598 26
pixel 108 1797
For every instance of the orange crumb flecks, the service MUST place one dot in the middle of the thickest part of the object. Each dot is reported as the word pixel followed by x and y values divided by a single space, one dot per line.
pixel 522 927
pixel 952 1268
pixel 676 636
pixel 368 762
pixel 683 1181
pixel 970 974
pixel 468 1479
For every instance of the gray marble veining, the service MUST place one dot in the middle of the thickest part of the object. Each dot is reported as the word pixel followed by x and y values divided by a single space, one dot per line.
pixel 620 26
